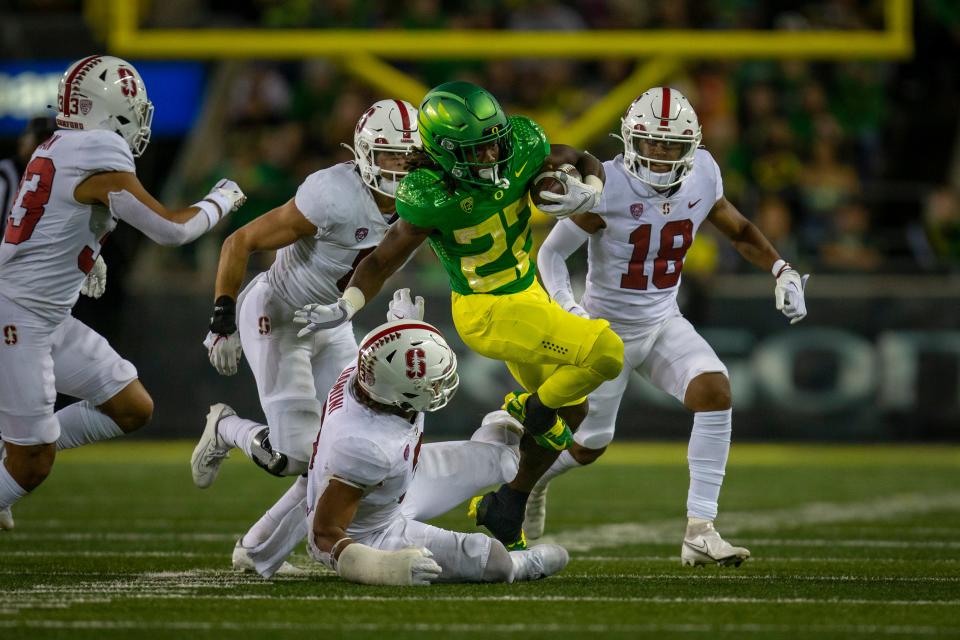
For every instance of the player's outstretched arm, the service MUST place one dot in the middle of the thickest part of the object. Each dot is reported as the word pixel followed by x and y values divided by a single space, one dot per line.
pixel 564 239
pixel 122 192
pixel 754 246
pixel 273 230
pixel 400 242
pixel 356 562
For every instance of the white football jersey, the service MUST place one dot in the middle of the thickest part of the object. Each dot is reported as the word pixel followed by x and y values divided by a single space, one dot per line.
pixel 634 263
pixel 349 226
pixel 376 452
pixel 51 240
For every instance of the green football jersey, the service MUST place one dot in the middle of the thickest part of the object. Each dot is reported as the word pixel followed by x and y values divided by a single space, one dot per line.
pixel 481 236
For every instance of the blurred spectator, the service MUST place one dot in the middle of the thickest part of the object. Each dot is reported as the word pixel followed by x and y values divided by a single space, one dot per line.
pixel 849 245
pixel 826 183
pixel 937 245
pixel 774 219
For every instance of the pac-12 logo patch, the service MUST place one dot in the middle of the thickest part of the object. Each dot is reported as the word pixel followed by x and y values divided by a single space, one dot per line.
pixel 361 233
pixel 467 204
pixel 636 210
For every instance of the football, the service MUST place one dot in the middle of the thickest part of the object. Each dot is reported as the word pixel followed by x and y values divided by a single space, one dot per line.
pixel 546 182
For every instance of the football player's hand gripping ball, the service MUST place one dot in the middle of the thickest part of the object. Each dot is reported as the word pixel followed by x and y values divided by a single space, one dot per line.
pixel 579 198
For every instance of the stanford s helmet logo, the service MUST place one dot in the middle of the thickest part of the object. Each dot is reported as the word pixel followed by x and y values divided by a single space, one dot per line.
pixel 416 363
pixel 128 84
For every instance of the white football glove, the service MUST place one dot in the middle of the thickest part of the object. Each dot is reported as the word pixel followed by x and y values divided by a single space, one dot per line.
pixel 403 308
pixel 317 317
pixel 788 294
pixel 579 198
pixel 224 352
pixel 577 310
pixel 96 281
pixel 228 197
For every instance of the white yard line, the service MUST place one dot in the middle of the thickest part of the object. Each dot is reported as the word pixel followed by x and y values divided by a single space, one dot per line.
pixel 487 628
pixel 733 522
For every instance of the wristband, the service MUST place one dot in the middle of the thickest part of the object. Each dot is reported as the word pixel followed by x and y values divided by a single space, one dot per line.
pixel 779 267
pixel 593 181
pixel 224 319
pixel 209 209
pixel 355 299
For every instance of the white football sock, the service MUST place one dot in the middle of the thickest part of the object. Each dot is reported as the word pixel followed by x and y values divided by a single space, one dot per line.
pixel 81 423
pixel 10 491
pixel 239 432
pixel 707 457
pixel 268 522
pixel 561 465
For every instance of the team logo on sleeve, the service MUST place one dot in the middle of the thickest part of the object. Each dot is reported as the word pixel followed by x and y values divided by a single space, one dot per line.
pixel 467 204
pixel 636 210
pixel 361 233
pixel 10 334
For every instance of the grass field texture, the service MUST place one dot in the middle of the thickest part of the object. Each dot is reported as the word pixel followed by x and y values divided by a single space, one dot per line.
pixel 848 542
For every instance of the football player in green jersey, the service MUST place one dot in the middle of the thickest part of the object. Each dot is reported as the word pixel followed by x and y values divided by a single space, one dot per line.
pixel 473 207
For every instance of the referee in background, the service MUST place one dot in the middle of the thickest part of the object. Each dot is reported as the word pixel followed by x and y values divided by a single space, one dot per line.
pixel 37 131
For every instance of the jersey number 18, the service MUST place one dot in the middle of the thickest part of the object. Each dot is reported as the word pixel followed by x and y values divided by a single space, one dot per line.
pixel 635 277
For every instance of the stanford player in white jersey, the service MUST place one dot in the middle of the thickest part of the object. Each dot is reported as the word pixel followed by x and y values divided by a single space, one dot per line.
pixel 656 196
pixel 337 216
pixel 371 483
pixel 75 187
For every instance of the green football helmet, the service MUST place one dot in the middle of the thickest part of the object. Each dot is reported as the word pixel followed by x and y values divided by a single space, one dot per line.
pixel 465 130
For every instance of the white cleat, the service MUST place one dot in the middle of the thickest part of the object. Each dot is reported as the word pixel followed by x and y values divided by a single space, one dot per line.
pixel 210 452
pixel 703 545
pixel 6 519
pixel 243 562
pixel 538 562
pixel 535 518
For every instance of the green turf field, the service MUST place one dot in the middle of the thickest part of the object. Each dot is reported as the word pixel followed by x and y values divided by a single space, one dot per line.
pixel 848 542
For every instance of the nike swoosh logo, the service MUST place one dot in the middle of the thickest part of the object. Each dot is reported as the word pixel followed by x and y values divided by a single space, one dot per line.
pixel 691 205
pixel 699 547
pixel 520 170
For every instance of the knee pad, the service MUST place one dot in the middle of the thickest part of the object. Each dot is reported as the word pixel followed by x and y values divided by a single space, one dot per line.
pixel 606 356
pixel 276 463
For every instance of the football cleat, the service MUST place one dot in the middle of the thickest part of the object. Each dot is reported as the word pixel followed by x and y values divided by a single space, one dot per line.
pixel 6 519
pixel 556 438
pixel 703 545
pixel 501 512
pixel 535 518
pixel 538 562
pixel 210 451
pixel 243 562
